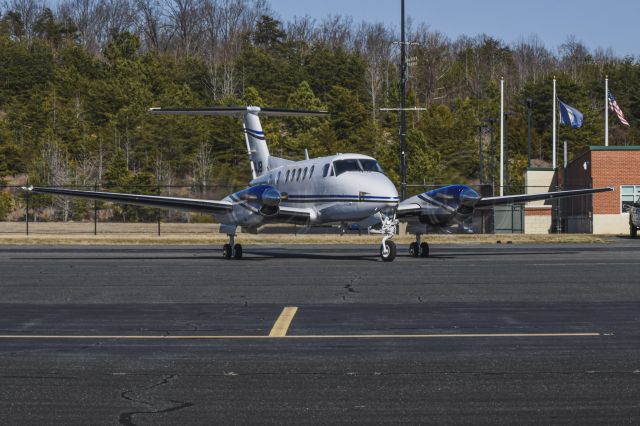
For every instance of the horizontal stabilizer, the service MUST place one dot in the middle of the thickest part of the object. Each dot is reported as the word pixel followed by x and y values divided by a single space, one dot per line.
pixel 523 198
pixel 239 111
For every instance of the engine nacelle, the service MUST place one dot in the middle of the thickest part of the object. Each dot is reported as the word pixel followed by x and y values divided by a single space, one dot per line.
pixel 252 205
pixel 447 205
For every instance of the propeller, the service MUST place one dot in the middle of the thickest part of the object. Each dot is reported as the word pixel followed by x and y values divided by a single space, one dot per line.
pixel 264 198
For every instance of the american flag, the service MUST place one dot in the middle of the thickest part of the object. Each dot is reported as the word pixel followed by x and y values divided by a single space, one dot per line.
pixel 615 108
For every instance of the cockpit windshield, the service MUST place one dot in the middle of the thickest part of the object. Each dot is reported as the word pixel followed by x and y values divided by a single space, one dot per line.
pixel 371 166
pixel 356 165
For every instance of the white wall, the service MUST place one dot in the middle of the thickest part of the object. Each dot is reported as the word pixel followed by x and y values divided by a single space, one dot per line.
pixel 537 224
pixel 611 223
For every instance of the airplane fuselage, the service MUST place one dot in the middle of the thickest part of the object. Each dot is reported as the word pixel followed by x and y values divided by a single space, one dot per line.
pixel 335 189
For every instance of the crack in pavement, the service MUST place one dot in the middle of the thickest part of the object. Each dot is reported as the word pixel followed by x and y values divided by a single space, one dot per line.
pixel 126 418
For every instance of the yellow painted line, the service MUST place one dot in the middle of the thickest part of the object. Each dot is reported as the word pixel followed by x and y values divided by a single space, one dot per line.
pixel 283 322
pixel 297 337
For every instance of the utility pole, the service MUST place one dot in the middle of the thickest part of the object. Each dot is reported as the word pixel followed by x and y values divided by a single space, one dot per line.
pixel 553 134
pixel 529 107
pixel 501 136
pixel 506 149
pixel 480 159
pixel 403 105
pixel 492 155
pixel 606 111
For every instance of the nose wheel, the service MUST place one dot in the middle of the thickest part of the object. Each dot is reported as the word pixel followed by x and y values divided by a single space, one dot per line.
pixel 388 251
pixel 232 250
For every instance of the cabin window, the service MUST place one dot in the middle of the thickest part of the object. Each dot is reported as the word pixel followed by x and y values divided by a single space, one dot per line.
pixel 299 173
pixel 311 171
pixel 286 177
pixel 304 173
pixel 325 170
pixel 279 176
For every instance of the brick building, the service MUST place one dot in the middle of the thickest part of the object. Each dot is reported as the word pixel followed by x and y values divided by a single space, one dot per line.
pixel 604 213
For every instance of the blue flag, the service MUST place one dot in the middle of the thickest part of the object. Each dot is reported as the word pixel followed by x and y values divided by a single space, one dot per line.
pixel 569 115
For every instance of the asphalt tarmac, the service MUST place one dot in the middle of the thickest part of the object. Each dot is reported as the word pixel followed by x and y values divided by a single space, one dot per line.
pixel 476 334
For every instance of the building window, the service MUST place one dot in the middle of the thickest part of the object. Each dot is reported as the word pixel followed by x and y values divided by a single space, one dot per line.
pixel 629 195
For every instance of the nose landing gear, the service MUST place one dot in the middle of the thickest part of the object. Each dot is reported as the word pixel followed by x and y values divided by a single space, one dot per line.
pixel 388 230
pixel 232 250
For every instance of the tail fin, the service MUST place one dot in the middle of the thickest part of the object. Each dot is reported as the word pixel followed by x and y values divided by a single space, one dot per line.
pixel 254 136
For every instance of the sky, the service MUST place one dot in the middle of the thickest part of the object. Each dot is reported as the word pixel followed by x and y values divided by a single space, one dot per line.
pixel 606 24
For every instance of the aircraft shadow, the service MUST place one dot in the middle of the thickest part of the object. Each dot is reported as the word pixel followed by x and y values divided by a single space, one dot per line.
pixel 480 253
pixel 265 255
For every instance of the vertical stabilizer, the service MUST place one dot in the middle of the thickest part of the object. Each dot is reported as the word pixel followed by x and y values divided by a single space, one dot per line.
pixel 256 142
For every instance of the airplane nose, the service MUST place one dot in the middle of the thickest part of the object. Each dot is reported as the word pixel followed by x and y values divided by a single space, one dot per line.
pixel 388 189
pixel 271 197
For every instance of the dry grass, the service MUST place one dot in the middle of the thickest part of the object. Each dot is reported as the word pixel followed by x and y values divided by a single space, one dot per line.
pixel 184 233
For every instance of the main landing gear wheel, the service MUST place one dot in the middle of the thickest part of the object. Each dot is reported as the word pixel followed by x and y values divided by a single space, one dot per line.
pixel 226 251
pixel 388 252
pixel 424 249
pixel 418 248
pixel 231 249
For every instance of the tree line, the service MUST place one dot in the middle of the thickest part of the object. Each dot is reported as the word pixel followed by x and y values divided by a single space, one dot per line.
pixel 76 82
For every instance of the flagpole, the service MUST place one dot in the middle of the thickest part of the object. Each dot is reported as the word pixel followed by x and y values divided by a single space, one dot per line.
pixel 501 136
pixel 606 111
pixel 554 122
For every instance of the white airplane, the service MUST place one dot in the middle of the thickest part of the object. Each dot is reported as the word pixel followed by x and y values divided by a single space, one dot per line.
pixel 338 189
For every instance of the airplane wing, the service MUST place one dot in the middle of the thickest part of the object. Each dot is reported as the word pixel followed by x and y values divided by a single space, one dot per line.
pixel 292 215
pixel 523 198
pixel 408 209
pixel 186 204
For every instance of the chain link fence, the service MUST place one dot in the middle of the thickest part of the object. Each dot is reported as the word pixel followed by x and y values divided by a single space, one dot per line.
pixel 23 212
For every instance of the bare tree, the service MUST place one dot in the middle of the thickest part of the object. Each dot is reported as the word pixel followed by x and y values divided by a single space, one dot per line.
pixel 433 52
pixel 83 15
pixel 27 12
pixel 226 24
pixel 202 165
pixel 373 41
pixel 532 60
pixel 302 29
pixel 113 16
pixel 151 25
pixel 56 170
pixel 573 54
pixel 184 19
pixel 335 32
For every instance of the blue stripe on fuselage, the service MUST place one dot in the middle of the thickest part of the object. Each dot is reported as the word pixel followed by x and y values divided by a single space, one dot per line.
pixel 360 197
